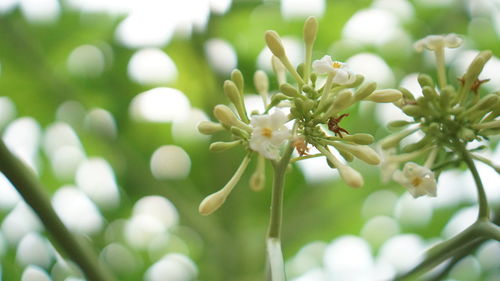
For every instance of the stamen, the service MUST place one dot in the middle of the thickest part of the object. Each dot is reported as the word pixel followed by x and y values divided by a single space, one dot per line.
pixel 266 132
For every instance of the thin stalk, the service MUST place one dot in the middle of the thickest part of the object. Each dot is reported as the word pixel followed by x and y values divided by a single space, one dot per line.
pixel 33 193
pixel 326 88
pixel 441 68
pixel 481 194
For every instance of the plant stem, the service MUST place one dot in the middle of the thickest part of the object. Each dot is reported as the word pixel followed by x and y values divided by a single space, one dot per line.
pixel 33 193
pixel 481 194
pixel 274 231
pixel 441 67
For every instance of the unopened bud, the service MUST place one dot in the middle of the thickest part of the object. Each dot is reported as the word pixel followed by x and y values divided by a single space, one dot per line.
pixel 412 110
pixel 239 132
pixel 258 178
pixel 237 78
pixel 279 69
pixel 209 128
pixel 226 116
pixel 387 95
pixel 352 177
pixel 362 152
pixel 448 94
pixel 430 93
pixel 212 202
pixel 476 66
pixel 310 30
pixel 261 82
pixel 365 91
pixel 425 80
pixel 398 124
pixel 274 43
pixel 466 134
pixel 417 145
pixel 290 91
pixel 277 98
pixel 342 100
pixel 394 139
pixel 360 138
pixel 232 92
pixel 223 146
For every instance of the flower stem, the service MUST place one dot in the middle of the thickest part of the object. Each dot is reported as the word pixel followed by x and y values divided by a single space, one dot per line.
pixel 33 193
pixel 481 194
pixel 274 231
pixel 441 67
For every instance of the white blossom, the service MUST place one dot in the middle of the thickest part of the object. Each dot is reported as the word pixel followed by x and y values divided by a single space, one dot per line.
pixel 269 132
pixel 434 42
pixel 417 179
pixel 325 65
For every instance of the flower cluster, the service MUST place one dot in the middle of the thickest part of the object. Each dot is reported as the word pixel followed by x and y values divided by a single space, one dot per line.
pixel 316 105
pixel 448 116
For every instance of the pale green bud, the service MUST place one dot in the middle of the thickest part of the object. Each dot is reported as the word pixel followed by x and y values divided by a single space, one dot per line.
pixel 274 44
pixel 234 95
pixel 398 124
pixel 430 93
pixel 258 178
pixel 290 91
pixel 413 110
pixel 418 145
pixel 357 81
pixel 394 139
pixel 226 116
pixel 476 66
pixel 362 152
pixel 209 128
pixel 261 82
pixel 365 91
pixel 310 30
pixel 239 132
pixel 342 100
pixel 279 69
pixel 425 80
pixel 352 177
pixel 237 78
pixel 360 138
pixel 277 98
pixel 487 125
pixel 387 95
pixel 466 134
pixel 448 94
pixel 486 103
pixel 346 155
pixel 223 146
pixel 212 202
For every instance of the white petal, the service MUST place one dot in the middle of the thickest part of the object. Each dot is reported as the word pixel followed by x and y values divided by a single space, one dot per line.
pixel 419 45
pixel 453 41
pixel 341 77
pixel 323 66
pixel 277 120
pixel 260 121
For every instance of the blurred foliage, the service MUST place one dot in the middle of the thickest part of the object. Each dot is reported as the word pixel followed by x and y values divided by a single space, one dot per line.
pixel 228 245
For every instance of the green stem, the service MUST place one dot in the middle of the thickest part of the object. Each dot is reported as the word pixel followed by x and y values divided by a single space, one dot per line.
pixel 439 52
pixel 33 193
pixel 481 194
pixel 326 88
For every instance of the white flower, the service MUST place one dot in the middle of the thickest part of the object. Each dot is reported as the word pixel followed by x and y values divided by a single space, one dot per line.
pixel 269 132
pixel 434 42
pixel 325 65
pixel 419 180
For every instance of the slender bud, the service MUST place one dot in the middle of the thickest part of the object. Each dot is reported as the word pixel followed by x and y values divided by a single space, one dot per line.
pixel 448 94
pixel 310 30
pixel 234 95
pixel 223 146
pixel 237 78
pixel 365 91
pixel 277 98
pixel 486 103
pixel 425 80
pixel 226 116
pixel 413 110
pixel 417 145
pixel 261 82
pixel 362 152
pixel 290 91
pixel 239 132
pixel 407 95
pixel 212 202
pixel 398 124
pixel 466 134
pixel 279 69
pixel 258 178
pixel 358 80
pixel 476 66
pixel 430 93
pixel 487 125
pixel 342 100
pixel 352 177
pixel 394 139
pixel 209 128
pixel 360 138
pixel 274 43
pixel 346 155
pixel 387 95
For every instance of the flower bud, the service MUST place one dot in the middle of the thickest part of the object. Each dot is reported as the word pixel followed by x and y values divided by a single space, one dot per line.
pixel 279 69
pixel 417 145
pixel 466 134
pixel 277 98
pixel 425 80
pixel 430 93
pixel 239 132
pixel 398 124
pixel 237 78
pixel 448 94
pixel 352 177
pixel 261 82
pixel 365 91
pixel 476 66
pixel 226 116
pixel 274 44
pixel 212 202
pixel 413 110
pixel 209 128
pixel 394 139
pixel 487 125
pixel 486 103
pixel 341 101
pixel 234 95
pixel 222 146
pixel 310 30
pixel 362 152
pixel 387 95
pixel 360 138
pixel 258 178
pixel 290 91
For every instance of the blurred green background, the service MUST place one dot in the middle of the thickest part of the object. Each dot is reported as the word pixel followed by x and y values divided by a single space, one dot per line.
pixel 101 99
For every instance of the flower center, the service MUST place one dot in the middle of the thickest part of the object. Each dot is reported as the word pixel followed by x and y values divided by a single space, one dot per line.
pixel 416 181
pixel 337 64
pixel 266 132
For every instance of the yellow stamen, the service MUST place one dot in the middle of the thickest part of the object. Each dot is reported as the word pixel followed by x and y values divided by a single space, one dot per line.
pixel 337 64
pixel 416 181
pixel 266 132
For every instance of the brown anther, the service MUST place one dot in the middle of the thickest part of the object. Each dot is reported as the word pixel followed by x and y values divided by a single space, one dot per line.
pixel 333 125
pixel 301 146
pixel 475 86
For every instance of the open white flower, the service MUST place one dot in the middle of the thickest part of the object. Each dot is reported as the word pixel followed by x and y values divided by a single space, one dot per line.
pixel 325 65
pixel 434 42
pixel 418 179
pixel 269 132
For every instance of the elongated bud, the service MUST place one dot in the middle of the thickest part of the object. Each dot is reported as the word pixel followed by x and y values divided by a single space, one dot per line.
pixel 387 95
pixel 310 30
pixel 258 178
pixel 239 132
pixel 346 155
pixel 425 80
pixel 209 128
pixel 413 110
pixel 365 91
pixel 398 124
pixel 352 177
pixel 407 95
pixel 274 43
pixel 234 95
pixel 277 98
pixel 279 69
pixel 417 145
pixel 223 146
pixel 487 125
pixel 237 78
pixel 362 152
pixel 448 94
pixel 342 100
pixel 290 91
pixel 430 93
pixel 226 116
pixel 466 134
pixel 261 82
pixel 485 103
pixel 477 66
pixel 358 80
pixel 360 138
pixel 394 139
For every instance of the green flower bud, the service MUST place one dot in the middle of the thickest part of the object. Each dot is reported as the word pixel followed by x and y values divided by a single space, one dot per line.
pixel 407 95
pixel 237 78
pixel 300 69
pixel 209 128
pixel 346 155
pixel 425 80
pixel 486 103
pixel 290 91
pixel 258 178
pixel 357 81
pixel 261 82
pixel 466 134
pixel 231 91
pixel 476 66
pixel 398 124
pixel 362 152
pixel 413 111
pixel 274 43
pixel 342 100
pixel 448 95
pixel 223 146
pixel 365 91
pixel 417 145
pixel 277 98
pixel 360 138
pixel 226 117
pixel 387 95
pixel 394 139
pixel 310 30
pixel 239 132
pixel 430 94
pixel 311 93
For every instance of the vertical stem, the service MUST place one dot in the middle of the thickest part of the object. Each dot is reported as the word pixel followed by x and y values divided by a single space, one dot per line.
pixel 481 194
pixel 274 231
pixel 33 193
pixel 326 88
pixel 441 67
